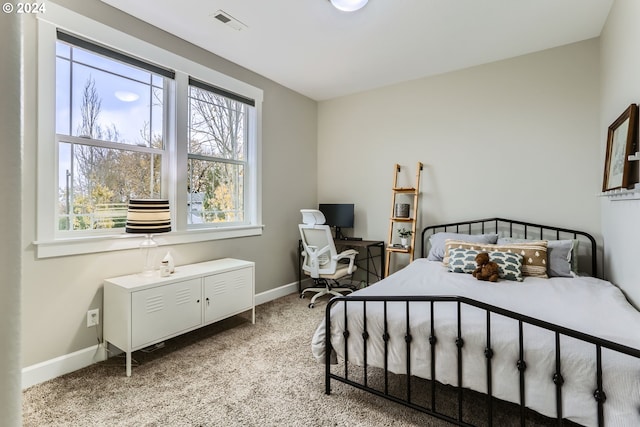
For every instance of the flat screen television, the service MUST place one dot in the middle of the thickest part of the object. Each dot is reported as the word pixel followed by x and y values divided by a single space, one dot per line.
pixel 338 215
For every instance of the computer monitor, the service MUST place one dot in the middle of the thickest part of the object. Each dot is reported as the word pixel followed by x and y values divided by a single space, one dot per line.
pixel 338 216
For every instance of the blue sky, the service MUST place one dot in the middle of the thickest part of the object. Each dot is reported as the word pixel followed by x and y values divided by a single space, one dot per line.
pixel 125 93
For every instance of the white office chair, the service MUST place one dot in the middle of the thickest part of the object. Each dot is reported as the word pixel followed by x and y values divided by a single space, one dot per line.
pixel 321 257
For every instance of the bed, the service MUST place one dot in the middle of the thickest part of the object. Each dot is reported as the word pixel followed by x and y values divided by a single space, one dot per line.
pixel 565 346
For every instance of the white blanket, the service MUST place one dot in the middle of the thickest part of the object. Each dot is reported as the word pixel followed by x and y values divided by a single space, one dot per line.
pixel 586 304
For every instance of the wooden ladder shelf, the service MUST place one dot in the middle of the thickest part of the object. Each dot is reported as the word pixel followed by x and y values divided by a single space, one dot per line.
pixel 410 221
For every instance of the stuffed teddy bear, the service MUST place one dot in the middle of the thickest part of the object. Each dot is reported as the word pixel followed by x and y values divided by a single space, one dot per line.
pixel 487 270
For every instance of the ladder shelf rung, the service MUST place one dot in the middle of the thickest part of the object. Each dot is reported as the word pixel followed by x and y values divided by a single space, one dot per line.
pixel 402 250
pixel 404 189
pixel 397 219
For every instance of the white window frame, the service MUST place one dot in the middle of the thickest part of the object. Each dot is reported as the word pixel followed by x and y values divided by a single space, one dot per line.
pixel 51 244
pixel 244 162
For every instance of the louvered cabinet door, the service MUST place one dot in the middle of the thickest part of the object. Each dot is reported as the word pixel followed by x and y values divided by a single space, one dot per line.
pixel 165 311
pixel 228 293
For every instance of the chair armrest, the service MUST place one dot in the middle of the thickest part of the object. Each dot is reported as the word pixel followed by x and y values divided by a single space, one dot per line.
pixel 349 253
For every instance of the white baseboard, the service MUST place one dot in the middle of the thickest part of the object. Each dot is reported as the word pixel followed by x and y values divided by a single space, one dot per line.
pixel 49 369
pixel 276 293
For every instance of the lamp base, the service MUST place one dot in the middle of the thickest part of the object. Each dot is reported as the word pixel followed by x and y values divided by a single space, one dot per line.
pixel 148 247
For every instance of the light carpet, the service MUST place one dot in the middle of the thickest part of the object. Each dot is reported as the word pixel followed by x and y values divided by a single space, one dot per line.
pixel 231 373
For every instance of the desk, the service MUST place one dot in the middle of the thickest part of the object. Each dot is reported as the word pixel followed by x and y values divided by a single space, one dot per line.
pixel 341 245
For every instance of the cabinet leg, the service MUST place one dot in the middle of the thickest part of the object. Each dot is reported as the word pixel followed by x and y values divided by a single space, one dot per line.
pixel 253 315
pixel 128 363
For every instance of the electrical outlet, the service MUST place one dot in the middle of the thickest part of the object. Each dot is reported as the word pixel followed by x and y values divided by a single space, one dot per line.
pixel 93 317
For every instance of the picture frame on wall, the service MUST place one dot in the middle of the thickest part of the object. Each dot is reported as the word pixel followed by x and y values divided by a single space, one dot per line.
pixel 621 140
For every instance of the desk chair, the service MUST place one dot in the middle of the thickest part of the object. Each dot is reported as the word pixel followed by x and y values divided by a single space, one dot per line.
pixel 321 257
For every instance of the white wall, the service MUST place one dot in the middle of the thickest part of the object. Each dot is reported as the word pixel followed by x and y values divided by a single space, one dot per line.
pixel 518 138
pixel 620 87
pixel 57 292
pixel 10 212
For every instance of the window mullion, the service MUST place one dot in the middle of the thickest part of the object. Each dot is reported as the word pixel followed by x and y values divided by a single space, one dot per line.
pixel 180 134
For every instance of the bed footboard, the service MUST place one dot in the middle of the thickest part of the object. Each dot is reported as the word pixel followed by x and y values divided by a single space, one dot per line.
pixel 374 332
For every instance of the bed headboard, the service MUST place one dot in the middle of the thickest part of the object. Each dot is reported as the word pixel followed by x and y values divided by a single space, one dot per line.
pixel 519 229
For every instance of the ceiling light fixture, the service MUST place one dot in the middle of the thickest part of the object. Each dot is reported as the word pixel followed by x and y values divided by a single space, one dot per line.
pixel 348 5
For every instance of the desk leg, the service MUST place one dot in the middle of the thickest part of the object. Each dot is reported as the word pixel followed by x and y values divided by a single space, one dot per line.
pixel 373 264
pixel 368 256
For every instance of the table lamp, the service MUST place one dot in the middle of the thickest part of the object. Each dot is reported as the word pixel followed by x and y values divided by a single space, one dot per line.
pixel 149 217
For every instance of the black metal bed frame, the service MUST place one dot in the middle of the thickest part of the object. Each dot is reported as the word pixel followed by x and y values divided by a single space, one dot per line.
pixel 524 230
pixel 496 224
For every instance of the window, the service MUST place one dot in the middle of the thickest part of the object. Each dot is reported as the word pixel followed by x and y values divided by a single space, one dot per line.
pixel 217 154
pixel 120 118
pixel 109 132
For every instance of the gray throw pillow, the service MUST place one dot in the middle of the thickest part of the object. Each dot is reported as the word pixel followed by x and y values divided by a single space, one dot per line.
pixel 437 241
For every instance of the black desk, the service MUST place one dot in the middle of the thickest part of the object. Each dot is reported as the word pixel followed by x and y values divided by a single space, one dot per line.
pixel 368 258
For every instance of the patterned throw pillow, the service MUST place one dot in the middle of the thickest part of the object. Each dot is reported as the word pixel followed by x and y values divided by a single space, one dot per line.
pixel 462 260
pixel 509 265
pixel 534 254
pixel 562 255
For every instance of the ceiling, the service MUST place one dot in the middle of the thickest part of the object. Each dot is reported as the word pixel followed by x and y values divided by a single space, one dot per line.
pixel 320 52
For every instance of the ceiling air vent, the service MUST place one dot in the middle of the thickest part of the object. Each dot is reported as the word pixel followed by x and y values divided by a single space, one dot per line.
pixel 229 20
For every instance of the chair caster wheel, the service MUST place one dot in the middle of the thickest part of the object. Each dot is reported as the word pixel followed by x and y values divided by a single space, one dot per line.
pixel 311 305
pixel 301 296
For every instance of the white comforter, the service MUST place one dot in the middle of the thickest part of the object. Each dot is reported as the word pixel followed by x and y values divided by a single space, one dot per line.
pixel 585 304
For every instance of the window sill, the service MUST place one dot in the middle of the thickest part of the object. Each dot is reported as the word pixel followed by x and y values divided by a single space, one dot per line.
pixel 95 244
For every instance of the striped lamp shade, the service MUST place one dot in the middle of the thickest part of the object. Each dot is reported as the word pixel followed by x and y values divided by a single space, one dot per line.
pixel 148 216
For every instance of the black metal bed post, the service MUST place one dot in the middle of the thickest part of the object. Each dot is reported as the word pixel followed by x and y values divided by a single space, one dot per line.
pixel 407 340
pixel 327 349
pixel 385 338
pixel 345 334
pixel 488 354
pixel 365 339
pixel 558 381
pixel 432 342
pixel 599 394
pixel 522 366
pixel 459 344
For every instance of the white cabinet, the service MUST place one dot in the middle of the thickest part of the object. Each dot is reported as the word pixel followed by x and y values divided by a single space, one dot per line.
pixel 140 311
